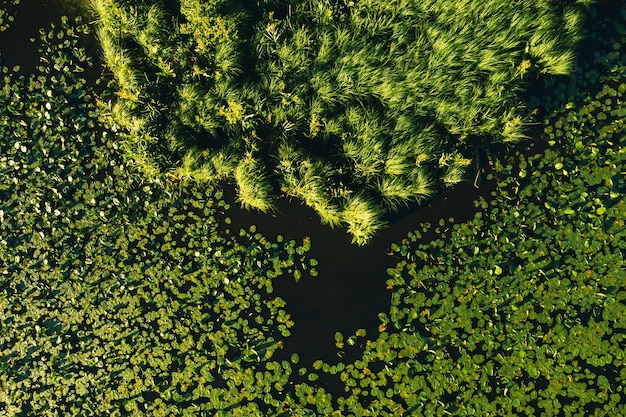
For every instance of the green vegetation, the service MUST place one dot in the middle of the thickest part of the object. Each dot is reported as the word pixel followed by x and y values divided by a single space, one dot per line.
pixel 118 295
pixel 130 297
pixel 341 104
pixel 7 14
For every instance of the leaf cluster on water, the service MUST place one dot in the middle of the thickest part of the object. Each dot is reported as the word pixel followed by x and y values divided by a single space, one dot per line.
pixel 119 295
pixel 7 14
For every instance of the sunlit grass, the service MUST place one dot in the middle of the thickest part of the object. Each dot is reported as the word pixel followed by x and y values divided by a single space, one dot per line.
pixel 379 91
pixel 204 166
pixel 454 166
pixel 253 187
pixel 363 218
pixel 121 65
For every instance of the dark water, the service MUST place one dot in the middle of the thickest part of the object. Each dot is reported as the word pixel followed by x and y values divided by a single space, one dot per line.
pixel 350 289
pixel 15 43
pixel 20 44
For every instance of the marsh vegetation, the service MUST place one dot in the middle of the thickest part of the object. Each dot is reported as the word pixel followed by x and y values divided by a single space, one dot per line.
pixel 354 108
pixel 130 292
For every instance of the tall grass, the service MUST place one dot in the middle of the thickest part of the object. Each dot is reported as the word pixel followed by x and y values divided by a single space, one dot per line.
pixel 253 186
pixel 305 179
pixel 375 100
pixel 121 65
pixel 454 166
pixel 204 166
pixel 363 218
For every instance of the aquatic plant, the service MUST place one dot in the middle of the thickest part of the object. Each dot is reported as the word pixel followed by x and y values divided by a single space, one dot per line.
pixel 380 91
pixel 7 14
pixel 120 295
pixel 254 189
pixel 117 294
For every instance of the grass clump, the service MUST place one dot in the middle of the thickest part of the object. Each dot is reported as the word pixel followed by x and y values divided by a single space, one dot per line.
pixel 254 189
pixel 379 90
pixel 363 218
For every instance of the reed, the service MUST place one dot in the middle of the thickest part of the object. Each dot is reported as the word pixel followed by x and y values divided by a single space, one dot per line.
pixel 136 152
pixel 115 18
pixel 387 93
pixel 363 218
pixel 454 168
pixel 253 186
pixel 394 191
pixel 204 166
pixel 121 65
pixel 123 114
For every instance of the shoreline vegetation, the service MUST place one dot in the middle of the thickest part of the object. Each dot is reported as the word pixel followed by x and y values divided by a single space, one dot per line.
pixel 354 108
pixel 125 296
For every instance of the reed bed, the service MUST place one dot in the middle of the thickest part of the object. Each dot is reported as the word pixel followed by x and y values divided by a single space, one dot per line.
pixel 393 95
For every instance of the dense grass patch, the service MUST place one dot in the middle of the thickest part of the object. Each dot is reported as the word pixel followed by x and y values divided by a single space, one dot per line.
pixel 334 103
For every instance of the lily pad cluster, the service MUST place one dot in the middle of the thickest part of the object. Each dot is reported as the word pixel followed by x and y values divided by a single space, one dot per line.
pixel 120 296
pixel 7 13
pixel 353 107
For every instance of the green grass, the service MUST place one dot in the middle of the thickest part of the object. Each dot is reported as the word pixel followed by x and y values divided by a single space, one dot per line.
pixel 375 89
pixel 254 189
pixel 363 218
